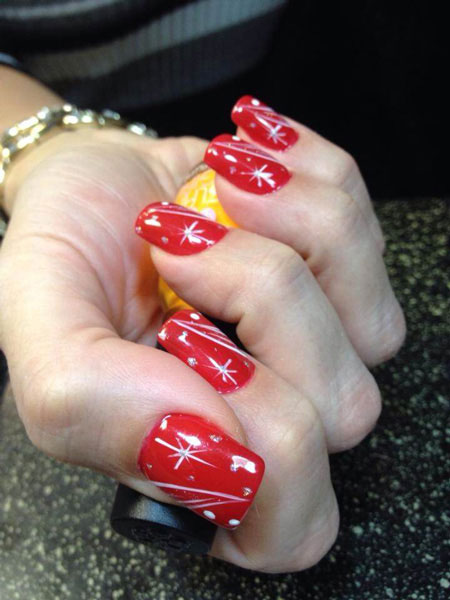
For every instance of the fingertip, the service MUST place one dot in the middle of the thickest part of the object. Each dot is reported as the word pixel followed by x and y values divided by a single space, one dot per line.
pixel 177 229
pixel 264 125
pixel 239 107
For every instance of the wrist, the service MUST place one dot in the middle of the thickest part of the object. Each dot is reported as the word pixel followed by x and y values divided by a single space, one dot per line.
pixel 25 163
pixel 21 97
pixel 59 140
pixel 60 123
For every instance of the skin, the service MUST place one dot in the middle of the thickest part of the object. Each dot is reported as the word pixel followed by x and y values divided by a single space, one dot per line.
pixel 79 315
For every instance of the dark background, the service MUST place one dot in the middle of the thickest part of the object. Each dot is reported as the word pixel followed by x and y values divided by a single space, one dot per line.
pixel 371 76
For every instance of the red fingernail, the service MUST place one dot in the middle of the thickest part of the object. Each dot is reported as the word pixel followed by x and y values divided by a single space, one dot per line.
pixel 203 347
pixel 195 462
pixel 245 165
pixel 177 229
pixel 263 124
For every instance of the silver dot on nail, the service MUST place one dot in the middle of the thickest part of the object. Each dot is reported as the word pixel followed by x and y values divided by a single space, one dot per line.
pixel 215 438
pixel 246 491
pixel 192 361
pixel 164 239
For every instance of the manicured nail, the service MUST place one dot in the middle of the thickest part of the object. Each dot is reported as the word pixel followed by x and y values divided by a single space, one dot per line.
pixel 245 165
pixel 203 347
pixel 208 471
pixel 177 229
pixel 263 124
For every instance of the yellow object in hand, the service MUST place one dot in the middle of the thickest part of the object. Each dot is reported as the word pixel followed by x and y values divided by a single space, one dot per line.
pixel 198 193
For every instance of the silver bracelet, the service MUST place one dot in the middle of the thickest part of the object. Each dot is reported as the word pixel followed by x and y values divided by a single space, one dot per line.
pixel 31 131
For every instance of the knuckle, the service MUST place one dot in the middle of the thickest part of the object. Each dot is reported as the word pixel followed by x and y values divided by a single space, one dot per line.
pixel 391 337
pixel 362 408
pixel 48 410
pixel 297 432
pixel 279 268
pixel 342 168
pixel 320 540
pixel 297 439
pixel 190 143
pixel 316 542
pixel 344 218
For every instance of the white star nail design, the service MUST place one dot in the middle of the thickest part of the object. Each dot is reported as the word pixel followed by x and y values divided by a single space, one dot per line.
pixel 191 234
pixel 223 370
pixel 273 131
pixel 261 175
pixel 183 453
pixel 276 135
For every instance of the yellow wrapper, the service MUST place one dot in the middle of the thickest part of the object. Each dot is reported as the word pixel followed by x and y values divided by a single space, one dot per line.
pixel 199 193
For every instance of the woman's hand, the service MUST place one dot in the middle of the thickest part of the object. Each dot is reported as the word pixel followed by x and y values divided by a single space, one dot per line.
pixel 79 317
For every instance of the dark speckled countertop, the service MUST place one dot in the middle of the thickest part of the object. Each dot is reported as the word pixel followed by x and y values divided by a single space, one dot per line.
pixel 393 489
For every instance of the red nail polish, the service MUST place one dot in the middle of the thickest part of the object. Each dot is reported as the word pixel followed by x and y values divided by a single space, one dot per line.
pixel 203 347
pixel 177 229
pixel 245 165
pixel 193 461
pixel 263 124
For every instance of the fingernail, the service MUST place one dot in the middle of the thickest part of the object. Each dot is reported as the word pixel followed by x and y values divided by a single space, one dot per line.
pixel 203 347
pixel 245 165
pixel 208 471
pixel 177 229
pixel 263 124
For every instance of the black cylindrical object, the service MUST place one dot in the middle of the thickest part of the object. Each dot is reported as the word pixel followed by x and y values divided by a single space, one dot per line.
pixel 172 528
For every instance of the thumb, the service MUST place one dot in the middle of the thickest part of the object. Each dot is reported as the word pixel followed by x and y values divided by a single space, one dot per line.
pixel 139 415
pixel 88 397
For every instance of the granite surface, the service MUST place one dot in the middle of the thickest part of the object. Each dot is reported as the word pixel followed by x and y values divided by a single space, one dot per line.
pixel 393 490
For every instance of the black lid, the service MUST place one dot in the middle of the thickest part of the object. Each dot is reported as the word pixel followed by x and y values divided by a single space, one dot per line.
pixel 167 526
